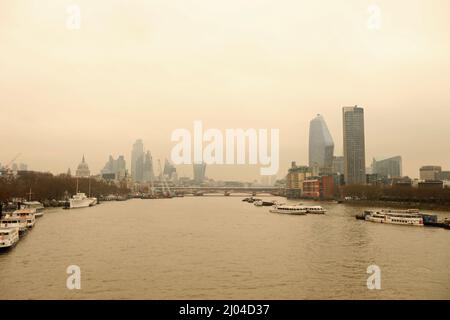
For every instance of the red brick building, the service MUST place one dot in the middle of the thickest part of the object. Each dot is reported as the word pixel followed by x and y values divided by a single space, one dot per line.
pixel 311 189
pixel 326 187
pixel 318 188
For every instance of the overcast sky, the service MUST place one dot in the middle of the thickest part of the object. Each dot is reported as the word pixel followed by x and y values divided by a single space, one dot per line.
pixel 140 69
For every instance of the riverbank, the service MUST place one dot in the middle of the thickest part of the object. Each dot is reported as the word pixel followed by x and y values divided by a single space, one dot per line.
pixel 396 204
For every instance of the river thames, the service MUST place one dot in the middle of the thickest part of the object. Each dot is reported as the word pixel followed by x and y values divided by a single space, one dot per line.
pixel 223 248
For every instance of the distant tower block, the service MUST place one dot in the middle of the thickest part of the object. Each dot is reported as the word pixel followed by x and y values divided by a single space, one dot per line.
pixel 354 146
pixel 321 146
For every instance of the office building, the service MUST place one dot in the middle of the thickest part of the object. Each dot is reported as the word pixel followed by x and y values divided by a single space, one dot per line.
pixel 148 174
pixel 354 145
pixel 321 145
pixel 294 180
pixel 137 161
pixel 430 172
pixel 387 167
pixel 338 165
pixel 443 175
pixel 169 170
pixel 114 169
pixel 311 189
pixel 199 172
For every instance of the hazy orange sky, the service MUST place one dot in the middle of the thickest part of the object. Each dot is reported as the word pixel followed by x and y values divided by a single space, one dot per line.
pixel 140 69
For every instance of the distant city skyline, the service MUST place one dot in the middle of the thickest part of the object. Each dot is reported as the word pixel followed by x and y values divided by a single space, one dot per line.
pixel 258 65
pixel 147 156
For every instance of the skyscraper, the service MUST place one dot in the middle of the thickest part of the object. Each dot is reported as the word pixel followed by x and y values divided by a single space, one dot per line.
pixel 199 172
pixel 114 169
pixel 148 174
pixel 354 148
pixel 121 168
pixel 169 169
pixel 321 145
pixel 137 161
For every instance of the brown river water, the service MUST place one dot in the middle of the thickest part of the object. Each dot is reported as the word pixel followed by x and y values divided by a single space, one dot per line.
pixel 223 248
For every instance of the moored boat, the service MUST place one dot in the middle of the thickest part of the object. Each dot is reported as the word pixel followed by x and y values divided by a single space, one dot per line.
pixel 250 200
pixel 26 214
pixel 79 200
pixel 14 222
pixel 400 217
pixel 261 203
pixel 258 203
pixel 8 237
pixel 39 207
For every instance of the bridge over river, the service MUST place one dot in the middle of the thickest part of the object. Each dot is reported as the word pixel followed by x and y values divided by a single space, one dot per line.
pixel 229 190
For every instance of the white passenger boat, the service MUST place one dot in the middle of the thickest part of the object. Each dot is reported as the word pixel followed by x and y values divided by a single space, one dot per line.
pixel 10 222
pixel 39 207
pixel 26 214
pixel 8 237
pixel 401 217
pixel 315 209
pixel 80 200
pixel 289 209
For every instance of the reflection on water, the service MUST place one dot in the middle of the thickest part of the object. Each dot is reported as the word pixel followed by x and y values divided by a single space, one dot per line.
pixel 221 247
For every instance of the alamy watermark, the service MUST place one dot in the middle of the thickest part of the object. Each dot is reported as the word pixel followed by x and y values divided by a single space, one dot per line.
pixel 374 280
pixel 233 146
pixel 374 22
pixel 73 21
pixel 74 279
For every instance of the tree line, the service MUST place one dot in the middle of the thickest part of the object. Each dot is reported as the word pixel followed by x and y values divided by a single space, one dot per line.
pixel 46 186
pixel 397 193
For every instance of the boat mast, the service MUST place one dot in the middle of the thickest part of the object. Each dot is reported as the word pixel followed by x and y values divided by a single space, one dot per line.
pixel 77 184
pixel 89 187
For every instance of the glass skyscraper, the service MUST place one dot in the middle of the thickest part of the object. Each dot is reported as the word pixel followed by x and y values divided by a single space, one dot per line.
pixel 137 161
pixel 199 172
pixel 147 172
pixel 354 147
pixel 321 145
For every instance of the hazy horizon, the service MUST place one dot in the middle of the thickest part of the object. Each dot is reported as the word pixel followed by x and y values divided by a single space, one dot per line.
pixel 141 69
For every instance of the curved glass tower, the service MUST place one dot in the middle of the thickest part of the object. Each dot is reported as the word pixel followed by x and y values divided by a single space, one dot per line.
pixel 321 145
